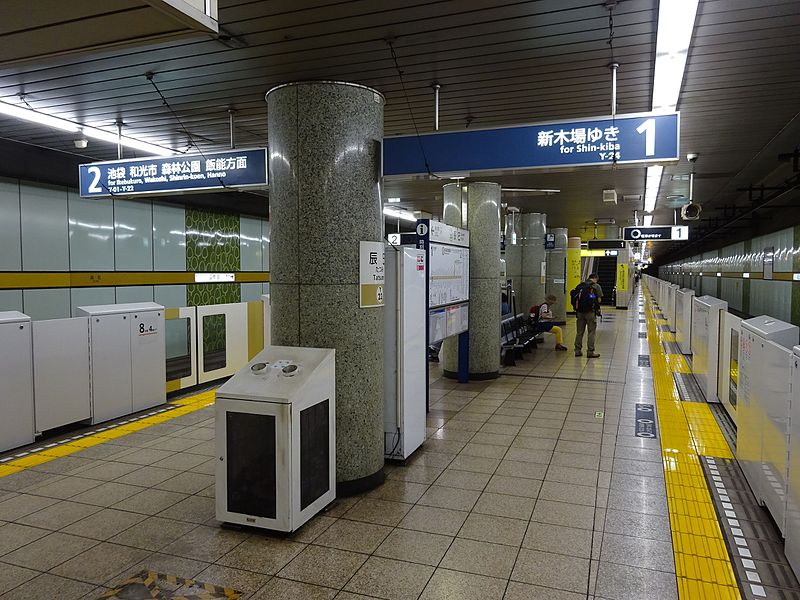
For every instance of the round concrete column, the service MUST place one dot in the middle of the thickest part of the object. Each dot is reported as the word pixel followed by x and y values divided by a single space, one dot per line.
pixel 531 288
pixel 556 283
pixel 513 256
pixel 324 166
pixel 483 222
pixel 452 214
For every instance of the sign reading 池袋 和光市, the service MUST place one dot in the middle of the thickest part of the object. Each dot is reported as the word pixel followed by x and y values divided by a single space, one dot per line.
pixel 179 174
pixel 635 138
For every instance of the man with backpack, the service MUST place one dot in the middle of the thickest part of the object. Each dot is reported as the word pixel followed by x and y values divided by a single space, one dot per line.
pixel 586 302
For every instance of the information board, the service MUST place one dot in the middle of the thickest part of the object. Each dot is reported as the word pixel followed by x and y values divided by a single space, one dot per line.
pixel 447 321
pixel 449 275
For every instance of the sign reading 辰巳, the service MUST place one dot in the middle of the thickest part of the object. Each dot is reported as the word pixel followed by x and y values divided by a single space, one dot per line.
pixel 656 234
pixel 180 174
pixel 624 139
pixel 371 275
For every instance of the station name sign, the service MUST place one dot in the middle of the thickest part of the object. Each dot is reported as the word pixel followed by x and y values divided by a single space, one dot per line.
pixel 179 174
pixel 624 139
pixel 656 234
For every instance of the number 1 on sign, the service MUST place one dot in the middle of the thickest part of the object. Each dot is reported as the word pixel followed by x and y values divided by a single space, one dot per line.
pixel 648 128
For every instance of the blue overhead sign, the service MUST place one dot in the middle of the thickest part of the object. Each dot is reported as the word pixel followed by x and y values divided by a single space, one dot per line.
pixel 639 138
pixel 180 174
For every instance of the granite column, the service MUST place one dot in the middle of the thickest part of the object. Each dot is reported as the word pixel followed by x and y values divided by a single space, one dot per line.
pixel 531 288
pixel 324 176
pixel 556 283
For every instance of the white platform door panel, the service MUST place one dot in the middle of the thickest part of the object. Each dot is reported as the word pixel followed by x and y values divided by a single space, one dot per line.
pixel 16 385
pixel 111 367
pixel 414 358
pixel 61 372
pixel 148 357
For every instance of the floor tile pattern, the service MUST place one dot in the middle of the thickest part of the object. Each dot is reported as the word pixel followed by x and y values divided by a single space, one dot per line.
pixel 530 486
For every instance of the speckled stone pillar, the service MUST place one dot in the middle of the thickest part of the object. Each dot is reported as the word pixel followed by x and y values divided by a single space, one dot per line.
pixel 452 214
pixel 513 256
pixel 483 222
pixel 324 168
pixel 556 283
pixel 531 288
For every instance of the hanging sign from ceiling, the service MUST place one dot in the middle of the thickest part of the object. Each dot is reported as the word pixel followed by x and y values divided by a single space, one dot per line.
pixel 628 139
pixel 656 234
pixel 180 174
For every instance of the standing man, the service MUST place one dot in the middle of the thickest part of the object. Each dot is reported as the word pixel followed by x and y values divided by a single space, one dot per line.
pixel 586 302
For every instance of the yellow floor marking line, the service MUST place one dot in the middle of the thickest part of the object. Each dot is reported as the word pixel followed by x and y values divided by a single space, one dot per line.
pixel 688 429
pixel 52 451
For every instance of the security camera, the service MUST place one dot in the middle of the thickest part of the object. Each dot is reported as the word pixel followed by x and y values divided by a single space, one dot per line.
pixel 80 142
pixel 692 157
pixel 690 212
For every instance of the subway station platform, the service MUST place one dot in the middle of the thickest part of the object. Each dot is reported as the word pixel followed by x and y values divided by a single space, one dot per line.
pixel 532 486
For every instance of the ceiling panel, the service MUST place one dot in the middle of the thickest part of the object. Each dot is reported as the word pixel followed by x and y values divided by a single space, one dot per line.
pixel 498 62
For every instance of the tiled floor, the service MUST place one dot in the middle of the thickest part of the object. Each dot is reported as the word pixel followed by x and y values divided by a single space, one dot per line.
pixel 531 486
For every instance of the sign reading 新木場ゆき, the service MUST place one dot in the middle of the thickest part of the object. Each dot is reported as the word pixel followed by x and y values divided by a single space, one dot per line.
pixel 634 138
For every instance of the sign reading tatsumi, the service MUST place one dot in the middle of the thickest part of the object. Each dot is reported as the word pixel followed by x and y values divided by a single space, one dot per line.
pixel 372 274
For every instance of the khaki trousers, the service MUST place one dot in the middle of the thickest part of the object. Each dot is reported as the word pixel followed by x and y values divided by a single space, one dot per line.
pixel 585 320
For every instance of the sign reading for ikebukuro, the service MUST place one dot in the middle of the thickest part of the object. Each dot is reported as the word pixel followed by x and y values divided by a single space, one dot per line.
pixel 372 274
pixel 180 174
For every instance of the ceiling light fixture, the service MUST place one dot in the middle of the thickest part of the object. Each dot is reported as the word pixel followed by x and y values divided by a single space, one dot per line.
pixel 35 116
pixel 393 200
pixel 647 221
pixel 541 190
pixel 651 185
pixel 399 214
pixel 675 26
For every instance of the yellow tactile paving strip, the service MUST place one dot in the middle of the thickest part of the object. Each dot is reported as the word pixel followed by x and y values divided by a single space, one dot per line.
pixel 184 406
pixel 688 430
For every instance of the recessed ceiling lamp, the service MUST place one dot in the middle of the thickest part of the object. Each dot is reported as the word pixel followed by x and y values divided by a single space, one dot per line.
pixel 651 185
pixel 393 200
pixel 675 26
pixel 396 213
pixel 40 118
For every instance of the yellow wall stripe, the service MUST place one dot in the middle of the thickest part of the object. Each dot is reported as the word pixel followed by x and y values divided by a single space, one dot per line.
pixel 689 430
pixel 252 277
pixel 34 280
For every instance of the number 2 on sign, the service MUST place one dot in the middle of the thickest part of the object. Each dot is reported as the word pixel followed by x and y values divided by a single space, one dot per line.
pixel 93 187
pixel 648 127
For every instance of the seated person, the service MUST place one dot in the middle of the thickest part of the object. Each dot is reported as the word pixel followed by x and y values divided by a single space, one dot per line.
pixel 505 308
pixel 541 314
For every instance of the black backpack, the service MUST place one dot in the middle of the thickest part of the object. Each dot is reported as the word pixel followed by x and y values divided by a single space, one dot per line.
pixel 584 298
